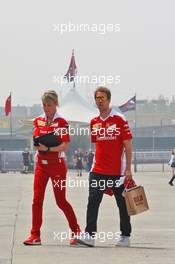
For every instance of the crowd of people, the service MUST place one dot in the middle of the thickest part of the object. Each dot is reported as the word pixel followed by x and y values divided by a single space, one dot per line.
pixel 82 160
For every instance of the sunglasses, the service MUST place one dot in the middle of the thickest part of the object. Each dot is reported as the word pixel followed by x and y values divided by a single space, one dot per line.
pixel 103 98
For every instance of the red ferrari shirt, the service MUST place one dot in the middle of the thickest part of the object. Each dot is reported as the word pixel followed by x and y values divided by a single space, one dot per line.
pixel 59 125
pixel 109 134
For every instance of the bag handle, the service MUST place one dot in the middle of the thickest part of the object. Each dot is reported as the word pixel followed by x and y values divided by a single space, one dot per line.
pixel 129 183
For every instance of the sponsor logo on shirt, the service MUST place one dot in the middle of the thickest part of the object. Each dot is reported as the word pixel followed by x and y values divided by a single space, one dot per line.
pixel 54 125
pixel 106 138
pixel 97 126
pixel 41 123
pixel 43 131
pixel 111 126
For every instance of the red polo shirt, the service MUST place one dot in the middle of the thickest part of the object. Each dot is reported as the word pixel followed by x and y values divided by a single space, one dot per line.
pixel 58 125
pixel 109 134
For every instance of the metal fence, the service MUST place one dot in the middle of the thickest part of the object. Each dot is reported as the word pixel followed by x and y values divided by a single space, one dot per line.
pixel 13 161
pixel 152 156
pixel 151 160
pixel 145 161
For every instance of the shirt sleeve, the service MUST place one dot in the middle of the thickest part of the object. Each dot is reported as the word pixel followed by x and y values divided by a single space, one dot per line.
pixel 125 130
pixel 64 134
pixel 35 129
pixel 93 132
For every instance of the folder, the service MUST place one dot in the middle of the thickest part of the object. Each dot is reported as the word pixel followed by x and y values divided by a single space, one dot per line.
pixel 49 140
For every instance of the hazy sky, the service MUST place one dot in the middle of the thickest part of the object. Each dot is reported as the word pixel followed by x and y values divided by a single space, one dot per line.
pixel 32 52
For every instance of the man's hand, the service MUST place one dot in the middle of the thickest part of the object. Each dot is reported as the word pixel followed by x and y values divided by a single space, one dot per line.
pixel 128 174
pixel 41 147
pixel 128 154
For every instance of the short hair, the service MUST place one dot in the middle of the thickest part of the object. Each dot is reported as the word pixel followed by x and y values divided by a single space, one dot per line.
pixel 50 95
pixel 103 89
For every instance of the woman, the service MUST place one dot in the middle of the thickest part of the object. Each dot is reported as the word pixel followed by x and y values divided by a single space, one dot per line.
pixel 172 164
pixel 50 163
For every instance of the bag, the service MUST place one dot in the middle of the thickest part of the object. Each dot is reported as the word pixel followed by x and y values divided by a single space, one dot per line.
pixel 136 201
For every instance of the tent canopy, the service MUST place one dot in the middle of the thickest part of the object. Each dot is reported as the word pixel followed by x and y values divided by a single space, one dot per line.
pixel 76 109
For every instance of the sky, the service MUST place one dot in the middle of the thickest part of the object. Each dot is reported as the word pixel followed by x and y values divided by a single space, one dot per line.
pixel 140 51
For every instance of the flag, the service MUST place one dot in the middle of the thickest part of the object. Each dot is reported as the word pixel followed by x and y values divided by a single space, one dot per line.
pixel 8 105
pixel 72 71
pixel 129 105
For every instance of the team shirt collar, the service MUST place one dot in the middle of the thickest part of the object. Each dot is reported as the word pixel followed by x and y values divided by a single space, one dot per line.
pixel 56 115
pixel 113 112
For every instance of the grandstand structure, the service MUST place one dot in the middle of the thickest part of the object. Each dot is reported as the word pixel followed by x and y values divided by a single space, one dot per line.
pixel 155 130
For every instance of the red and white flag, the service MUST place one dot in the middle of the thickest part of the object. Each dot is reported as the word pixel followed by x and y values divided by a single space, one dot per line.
pixel 129 105
pixel 72 71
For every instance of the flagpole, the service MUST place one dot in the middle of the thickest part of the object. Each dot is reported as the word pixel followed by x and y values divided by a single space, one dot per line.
pixel 74 76
pixel 11 132
pixel 135 136
pixel 72 70
pixel 74 85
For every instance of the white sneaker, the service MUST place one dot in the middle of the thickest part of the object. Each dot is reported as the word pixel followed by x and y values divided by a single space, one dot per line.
pixel 85 239
pixel 123 241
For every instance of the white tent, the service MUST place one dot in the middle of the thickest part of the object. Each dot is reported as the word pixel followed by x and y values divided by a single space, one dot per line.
pixel 75 109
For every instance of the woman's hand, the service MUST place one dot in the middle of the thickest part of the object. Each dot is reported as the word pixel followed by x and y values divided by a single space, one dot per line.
pixel 41 147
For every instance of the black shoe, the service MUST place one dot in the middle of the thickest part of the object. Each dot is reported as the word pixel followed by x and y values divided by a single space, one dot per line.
pixel 170 183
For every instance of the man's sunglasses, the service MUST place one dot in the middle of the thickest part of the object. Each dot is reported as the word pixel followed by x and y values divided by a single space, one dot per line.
pixel 98 98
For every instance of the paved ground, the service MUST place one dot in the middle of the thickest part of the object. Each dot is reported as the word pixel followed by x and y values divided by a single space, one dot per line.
pixel 153 238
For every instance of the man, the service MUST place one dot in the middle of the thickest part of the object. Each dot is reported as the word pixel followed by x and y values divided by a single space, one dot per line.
pixel 112 136
pixel 90 157
pixel 79 163
pixel 25 155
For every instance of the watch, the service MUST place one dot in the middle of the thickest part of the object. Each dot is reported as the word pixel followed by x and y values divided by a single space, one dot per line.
pixel 48 149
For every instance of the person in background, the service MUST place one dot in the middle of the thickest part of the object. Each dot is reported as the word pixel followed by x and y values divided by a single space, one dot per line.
pixel 172 164
pixel 31 162
pixel 79 163
pixel 26 160
pixel 90 157
pixel 86 160
pixel 74 159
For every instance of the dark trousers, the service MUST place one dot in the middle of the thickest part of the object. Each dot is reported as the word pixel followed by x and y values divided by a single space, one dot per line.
pixel 172 179
pixel 97 185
